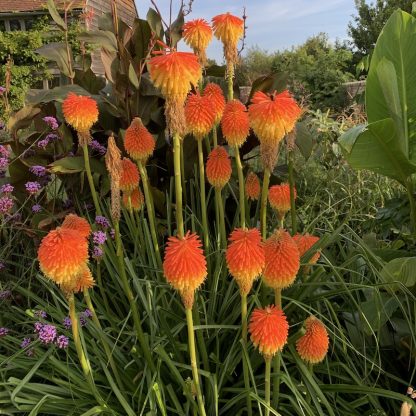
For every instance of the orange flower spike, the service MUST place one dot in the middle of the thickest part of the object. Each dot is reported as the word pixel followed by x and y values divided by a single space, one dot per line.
pixel 313 345
pixel 200 115
pixel 80 112
pixel 234 123
pixel 62 255
pixel 79 224
pixel 245 257
pixel 273 116
pixel 134 201
pixel 228 29
pixel 130 176
pixel 214 91
pixel 138 142
pixel 185 266
pixel 175 73
pixel 197 34
pixel 253 186
pixel 279 198
pixel 218 169
pixel 269 330
pixel 304 243
pixel 282 260
pixel 84 281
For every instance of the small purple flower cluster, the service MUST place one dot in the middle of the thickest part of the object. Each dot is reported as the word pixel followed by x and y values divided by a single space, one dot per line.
pixel 38 170
pixel 6 189
pixel 99 148
pixel 6 204
pixel 4 159
pixel 33 187
pixel 51 122
pixel 36 208
pixel 3 331
pixel 2 90
pixel 100 237
pixel 47 334
pixel 102 221
pixel 83 319
pixel 41 314
pixel 25 344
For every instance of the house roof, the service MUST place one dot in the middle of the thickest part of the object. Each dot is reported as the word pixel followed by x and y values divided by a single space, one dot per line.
pixel 10 6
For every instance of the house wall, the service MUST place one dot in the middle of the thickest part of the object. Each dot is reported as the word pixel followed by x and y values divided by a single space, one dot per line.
pixel 127 12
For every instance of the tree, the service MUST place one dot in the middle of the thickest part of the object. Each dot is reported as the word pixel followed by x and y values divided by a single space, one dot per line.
pixel 316 70
pixel 367 25
pixel 254 64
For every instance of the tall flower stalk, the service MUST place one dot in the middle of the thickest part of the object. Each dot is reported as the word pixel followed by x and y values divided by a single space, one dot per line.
pixel 245 261
pixel 114 168
pixel 140 145
pixel 269 330
pixel 81 113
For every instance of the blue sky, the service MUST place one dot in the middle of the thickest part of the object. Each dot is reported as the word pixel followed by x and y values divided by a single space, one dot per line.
pixel 272 24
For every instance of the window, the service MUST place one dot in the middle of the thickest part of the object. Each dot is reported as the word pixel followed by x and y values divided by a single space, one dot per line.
pixel 29 24
pixel 2 26
pixel 14 25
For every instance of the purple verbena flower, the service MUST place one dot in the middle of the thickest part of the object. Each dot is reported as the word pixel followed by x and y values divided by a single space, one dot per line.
pixel 4 151
pixel 87 313
pixel 113 233
pixel 52 137
pixel 25 343
pixel 47 334
pixel 6 204
pixel 97 252
pixel 43 143
pixel 82 320
pixel 36 208
pixel 62 342
pixel 3 332
pixel 2 90
pixel 99 237
pixel 33 187
pixel 38 170
pixel 38 326
pixel 67 322
pixel 41 314
pixel 99 148
pixel 6 189
pixel 4 294
pixel 51 122
pixel 4 163
pixel 102 221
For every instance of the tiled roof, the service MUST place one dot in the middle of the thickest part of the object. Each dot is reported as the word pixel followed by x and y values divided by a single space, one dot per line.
pixel 9 6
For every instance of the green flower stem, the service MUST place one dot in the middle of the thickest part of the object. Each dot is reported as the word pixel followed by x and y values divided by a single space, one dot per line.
pixel 220 207
pixel 267 384
pixel 178 184
pixel 133 306
pixel 90 179
pixel 240 188
pixel 230 77
pixel 192 355
pixel 203 199
pixel 183 177
pixel 214 137
pixel 263 207
pixel 244 340
pixel 292 193
pixel 150 211
pixel 277 357
pixel 85 365
pixel 102 335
